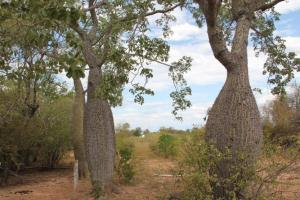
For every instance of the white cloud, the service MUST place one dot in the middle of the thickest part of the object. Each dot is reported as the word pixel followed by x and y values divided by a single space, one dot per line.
pixel 288 6
pixel 292 44
pixel 153 115
pixel 264 97
pixel 185 31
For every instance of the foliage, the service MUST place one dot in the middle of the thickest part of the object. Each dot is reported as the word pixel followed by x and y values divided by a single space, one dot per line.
pixel 113 33
pixel 281 64
pixel 245 182
pixel 170 130
pixel 124 129
pixel 40 141
pixel 281 119
pixel 56 138
pixel 200 165
pixel 124 166
pixel 165 146
pixel 199 158
pixel 137 132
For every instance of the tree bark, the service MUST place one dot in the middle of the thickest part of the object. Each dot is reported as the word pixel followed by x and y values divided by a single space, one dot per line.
pixel 234 126
pixel 234 123
pixel 99 135
pixel 77 128
pixel 234 120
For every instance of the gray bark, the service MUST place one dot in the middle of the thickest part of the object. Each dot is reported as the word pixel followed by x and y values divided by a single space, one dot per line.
pixel 234 123
pixel 234 120
pixel 99 134
pixel 77 128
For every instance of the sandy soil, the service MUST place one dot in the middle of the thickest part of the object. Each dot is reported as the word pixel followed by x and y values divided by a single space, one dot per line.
pixel 57 184
pixel 45 185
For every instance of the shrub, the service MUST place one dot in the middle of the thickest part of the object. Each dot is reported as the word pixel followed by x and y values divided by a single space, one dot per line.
pixel 55 139
pixel 124 166
pixel 38 141
pixel 198 159
pixel 165 146
pixel 201 180
pixel 137 132
pixel 200 171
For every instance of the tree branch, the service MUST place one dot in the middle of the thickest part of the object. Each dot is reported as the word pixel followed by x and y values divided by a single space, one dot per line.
pixel 210 8
pixel 240 40
pixel 270 5
pixel 151 13
pixel 95 6
pixel 78 30
pixel 94 19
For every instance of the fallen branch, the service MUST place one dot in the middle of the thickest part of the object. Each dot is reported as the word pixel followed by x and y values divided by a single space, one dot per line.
pixel 167 175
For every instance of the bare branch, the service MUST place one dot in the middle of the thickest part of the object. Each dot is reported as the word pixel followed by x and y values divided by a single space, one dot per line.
pixel 274 175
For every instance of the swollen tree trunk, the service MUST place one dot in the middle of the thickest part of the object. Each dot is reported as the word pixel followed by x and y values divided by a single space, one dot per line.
pixel 234 120
pixel 234 123
pixel 77 128
pixel 99 135
pixel 234 126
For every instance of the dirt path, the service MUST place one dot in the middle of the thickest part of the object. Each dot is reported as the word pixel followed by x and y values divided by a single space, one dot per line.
pixel 51 185
pixel 57 184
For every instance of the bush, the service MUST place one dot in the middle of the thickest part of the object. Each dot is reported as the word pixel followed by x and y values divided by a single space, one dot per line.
pixel 290 141
pixel 165 146
pixel 38 141
pixel 198 159
pixel 56 139
pixel 137 132
pixel 124 166
pixel 200 165
pixel 200 171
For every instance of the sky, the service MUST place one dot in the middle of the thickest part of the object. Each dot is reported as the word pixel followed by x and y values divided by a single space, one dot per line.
pixel 206 77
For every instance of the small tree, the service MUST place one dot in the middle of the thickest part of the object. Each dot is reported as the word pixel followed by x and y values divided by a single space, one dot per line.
pixel 137 132
pixel 165 146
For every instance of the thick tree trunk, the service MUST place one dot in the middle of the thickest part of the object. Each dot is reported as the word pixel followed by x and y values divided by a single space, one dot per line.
pixel 99 135
pixel 234 126
pixel 234 123
pixel 234 120
pixel 77 128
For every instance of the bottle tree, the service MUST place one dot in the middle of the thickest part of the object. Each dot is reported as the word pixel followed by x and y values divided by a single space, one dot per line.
pixel 110 39
pixel 234 123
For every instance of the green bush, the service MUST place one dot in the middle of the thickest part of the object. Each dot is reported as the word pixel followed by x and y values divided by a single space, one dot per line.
pixel 124 166
pixel 56 139
pixel 137 132
pixel 38 141
pixel 200 168
pixel 198 159
pixel 165 146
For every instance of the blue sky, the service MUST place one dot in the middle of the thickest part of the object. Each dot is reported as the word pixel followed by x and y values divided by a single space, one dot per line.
pixel 206 76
